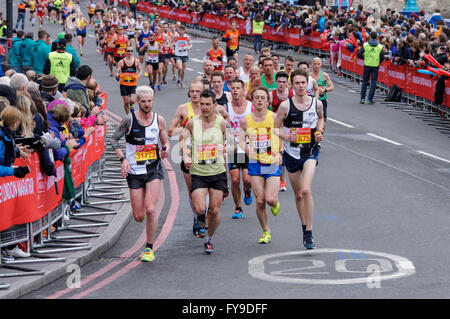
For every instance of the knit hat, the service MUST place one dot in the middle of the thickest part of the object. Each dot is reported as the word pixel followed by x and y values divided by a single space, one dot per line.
pixel 55 102
pixel 49 82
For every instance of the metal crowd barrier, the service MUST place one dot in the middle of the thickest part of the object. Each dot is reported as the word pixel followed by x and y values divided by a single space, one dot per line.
pixel 46 236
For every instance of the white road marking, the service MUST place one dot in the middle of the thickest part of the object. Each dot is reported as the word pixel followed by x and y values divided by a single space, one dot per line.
pixel 353 91
pixel 341 123
pixel 196 60
pixel 90 35
pixel 384 139
pixel 189 69
pixel 434 156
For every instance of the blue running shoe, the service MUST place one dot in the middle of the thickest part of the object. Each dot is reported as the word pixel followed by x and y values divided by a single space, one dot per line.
pixel 76 206
pixel 309 241
pixel 195 228
pixel 238 213
pixel 248 198
pixel 159 87
pixel 201 220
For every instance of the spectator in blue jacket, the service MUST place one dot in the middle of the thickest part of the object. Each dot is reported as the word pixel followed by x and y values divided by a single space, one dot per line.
pixel 15 53
pixel 10 121
pixel 40 52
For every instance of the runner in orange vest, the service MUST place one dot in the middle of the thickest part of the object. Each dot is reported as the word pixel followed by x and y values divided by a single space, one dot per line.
pixel 127 72
pixel 231 37
pixel 216 55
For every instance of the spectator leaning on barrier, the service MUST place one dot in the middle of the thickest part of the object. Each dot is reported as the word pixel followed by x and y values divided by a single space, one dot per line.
pixel 11 119
pixel 373 55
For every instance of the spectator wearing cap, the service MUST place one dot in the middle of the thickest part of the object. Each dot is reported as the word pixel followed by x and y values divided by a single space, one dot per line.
pixel 60 64
pixel 27 52
pixel 75 88
pixel 60 35
pixel 49 88
pixel 40 52
pixel 15 52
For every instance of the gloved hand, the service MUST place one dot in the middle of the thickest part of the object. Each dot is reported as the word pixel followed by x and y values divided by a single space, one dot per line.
pixel 21 171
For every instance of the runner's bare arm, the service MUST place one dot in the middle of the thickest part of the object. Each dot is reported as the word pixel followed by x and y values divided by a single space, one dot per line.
pixel 185 150
pixel 330 86
pixel 280 116
pixel 243 135
pixel 178 117
pixel 320 123
pixel 222 112
pixel 139 68
pixel 120 132
pixel 163 137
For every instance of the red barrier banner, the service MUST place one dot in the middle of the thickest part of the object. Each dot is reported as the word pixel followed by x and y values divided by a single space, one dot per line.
pixel 27 199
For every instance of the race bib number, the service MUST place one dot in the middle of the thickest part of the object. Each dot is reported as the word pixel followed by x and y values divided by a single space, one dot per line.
pixel 303 135
pixel 145 153
pixel 207 154
pixel 260 142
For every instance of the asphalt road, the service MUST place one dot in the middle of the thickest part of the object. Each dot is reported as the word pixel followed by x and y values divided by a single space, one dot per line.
pixel 382 224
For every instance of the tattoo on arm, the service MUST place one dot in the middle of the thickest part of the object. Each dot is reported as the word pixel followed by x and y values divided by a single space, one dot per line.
pixel 123 128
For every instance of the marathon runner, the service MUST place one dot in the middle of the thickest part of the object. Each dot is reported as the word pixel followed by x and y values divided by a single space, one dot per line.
pixel 264 152
pixel 142 37
pixel 205 137
pixel 303 121
pixel 280 94
pixel 324 83
pixel 144 130
pixel 168 44
pixel 268 76
pixel 237 109
pixel 216 54
pixel 159 37
pixel 231 37
pixel 127 72
pixel 183 114
pixel 244 70
pixel 208 68
pixel 152 50
pixel 91 11
pixel 119 43
pixel 81 28
pixel 217 81
pixel 312 88
pixel 109 48
pixel 182 45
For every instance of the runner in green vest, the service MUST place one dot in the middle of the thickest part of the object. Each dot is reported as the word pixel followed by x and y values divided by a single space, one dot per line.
pixel 60 64
pixel 323 82
pixel 203 147
pixel 268 77
pixel 373 54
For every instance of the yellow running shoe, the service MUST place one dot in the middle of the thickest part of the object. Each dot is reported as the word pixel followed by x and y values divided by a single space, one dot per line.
pixel 275 210
pixel 148 255
pixel 265 238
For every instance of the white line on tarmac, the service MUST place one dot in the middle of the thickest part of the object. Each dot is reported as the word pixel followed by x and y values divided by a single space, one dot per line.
pixel 384 139
pixel 434 156
pixel 341 123
pixel 189 69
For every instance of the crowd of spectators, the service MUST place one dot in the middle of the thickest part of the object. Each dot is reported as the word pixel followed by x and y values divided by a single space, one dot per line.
pixel 405 39
pixel 39 115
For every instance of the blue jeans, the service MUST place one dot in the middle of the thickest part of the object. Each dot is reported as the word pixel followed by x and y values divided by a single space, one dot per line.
pixel 21 16
pixel 257 42
pixel 370 72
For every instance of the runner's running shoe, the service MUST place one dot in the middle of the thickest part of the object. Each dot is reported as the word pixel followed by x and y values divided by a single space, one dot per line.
pixel 209 247
pixel 248 198
pixel 283 186
pixel 275 210
pixel 309 241
pixel 195 228
pixel 148 255
pixel 159 87
pixel 237 213
pixel 201 220
pixel 265 238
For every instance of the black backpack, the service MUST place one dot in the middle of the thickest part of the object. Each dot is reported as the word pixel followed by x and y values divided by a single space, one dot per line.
pixel 395 94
